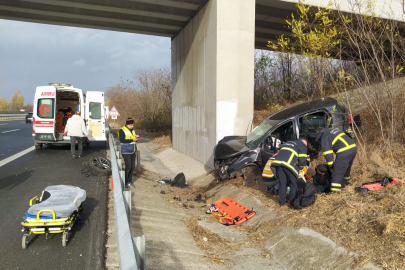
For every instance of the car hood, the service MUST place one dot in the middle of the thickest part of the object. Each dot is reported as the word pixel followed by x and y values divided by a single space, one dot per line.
pixel 230 146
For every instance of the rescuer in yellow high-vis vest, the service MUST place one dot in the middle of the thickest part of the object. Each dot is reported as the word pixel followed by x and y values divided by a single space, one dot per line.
pixel 128 139
pixel 291 158
pixel 338 142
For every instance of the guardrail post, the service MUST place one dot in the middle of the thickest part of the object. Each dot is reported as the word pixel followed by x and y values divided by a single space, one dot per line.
pixel 119 161
pixel 139 243
pixel 128 197
pixel 138 161
pixel 122 178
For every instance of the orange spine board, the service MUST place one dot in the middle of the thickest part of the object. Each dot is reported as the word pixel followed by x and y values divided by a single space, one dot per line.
pixel 228 208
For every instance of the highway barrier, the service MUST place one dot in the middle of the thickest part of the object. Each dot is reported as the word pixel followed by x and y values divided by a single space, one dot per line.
pixel 131 250
pixel 12 116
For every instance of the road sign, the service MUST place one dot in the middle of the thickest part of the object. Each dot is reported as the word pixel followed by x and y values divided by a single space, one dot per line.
pixel 114 112
pixel 113 117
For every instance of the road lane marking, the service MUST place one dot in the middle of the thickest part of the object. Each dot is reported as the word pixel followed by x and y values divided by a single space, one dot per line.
pixel 10 130
pixel 3 124
pixel 13 157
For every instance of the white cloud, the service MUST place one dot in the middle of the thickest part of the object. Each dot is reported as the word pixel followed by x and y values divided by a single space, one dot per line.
pixel 81 62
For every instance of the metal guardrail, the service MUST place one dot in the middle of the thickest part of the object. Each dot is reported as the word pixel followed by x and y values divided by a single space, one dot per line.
pixel 12 115
pixel 131 250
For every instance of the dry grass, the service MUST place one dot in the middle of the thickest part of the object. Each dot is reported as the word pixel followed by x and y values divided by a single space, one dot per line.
pixel 163 141
pixel 370 224
pixel 211 243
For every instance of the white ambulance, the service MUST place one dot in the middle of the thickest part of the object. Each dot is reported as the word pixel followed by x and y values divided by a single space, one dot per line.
pixel 56 103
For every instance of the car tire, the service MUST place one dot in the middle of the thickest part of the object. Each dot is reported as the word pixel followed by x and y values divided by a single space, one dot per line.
pixel 99 166
pixel 251 173
pixel 38 146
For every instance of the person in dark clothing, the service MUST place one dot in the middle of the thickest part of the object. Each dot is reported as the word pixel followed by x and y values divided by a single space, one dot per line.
pixel 336 141
pixel 322 178
pixel 291 158
pixel 128 139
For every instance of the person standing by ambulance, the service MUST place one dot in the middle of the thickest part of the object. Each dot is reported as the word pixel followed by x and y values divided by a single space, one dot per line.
pixel 76 129
pixel 128 139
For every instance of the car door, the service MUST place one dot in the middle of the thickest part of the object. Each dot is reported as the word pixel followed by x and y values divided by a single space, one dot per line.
pixel 282 133
pixel 95 116
pixel 44 114
pixel 106 116
pixel 308 125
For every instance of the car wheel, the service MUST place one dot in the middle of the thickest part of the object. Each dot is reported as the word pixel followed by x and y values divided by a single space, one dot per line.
pixel 251 173
pixel 38 146
pixel 99 166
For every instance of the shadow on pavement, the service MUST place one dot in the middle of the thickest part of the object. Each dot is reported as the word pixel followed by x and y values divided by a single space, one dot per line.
pixel 12 181
pixel 84 217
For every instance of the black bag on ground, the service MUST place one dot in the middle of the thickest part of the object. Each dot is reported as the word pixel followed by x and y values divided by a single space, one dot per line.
pixel 307 198
pixel 179 181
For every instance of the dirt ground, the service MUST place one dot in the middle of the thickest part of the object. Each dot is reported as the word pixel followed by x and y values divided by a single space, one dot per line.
pixel 370 224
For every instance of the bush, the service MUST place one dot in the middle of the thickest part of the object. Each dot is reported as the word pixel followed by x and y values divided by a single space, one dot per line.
pixel 147 98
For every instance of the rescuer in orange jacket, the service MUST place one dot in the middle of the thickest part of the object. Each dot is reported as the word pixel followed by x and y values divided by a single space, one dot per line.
pixel 338 142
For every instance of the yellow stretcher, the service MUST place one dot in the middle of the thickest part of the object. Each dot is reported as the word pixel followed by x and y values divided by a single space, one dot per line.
pixel 40 225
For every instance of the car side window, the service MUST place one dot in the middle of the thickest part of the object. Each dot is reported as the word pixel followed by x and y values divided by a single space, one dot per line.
pixel 280 135
pixel 309 123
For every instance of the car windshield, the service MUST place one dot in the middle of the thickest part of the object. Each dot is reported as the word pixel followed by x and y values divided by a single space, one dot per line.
pixel 258 132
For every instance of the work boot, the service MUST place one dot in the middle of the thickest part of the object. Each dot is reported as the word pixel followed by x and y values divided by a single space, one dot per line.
pixel 129 185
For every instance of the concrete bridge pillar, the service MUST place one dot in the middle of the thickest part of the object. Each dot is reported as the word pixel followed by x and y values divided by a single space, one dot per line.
pixel 213 77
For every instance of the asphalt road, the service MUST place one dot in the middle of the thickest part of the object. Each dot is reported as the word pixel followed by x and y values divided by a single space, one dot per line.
pixel 25 178
pixel 15 136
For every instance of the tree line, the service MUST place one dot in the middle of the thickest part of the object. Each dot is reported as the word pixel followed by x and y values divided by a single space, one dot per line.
pixel 330 51
pixel 147 97
pixel 16 103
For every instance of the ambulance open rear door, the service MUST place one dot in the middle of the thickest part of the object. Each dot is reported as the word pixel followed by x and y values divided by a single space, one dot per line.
pixel 95 116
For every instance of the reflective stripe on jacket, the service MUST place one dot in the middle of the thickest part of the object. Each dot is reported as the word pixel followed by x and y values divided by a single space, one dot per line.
pixel 334 140
pixel 128 148
pixel 267 172
pixel 292 155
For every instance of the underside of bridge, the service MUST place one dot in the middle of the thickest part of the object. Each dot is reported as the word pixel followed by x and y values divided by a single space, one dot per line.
pixel 153 17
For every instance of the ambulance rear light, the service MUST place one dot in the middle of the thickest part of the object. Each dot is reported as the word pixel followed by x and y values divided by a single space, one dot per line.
pixel 33 124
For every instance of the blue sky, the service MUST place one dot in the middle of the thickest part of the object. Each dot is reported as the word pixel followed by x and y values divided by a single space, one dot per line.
pixel 33 54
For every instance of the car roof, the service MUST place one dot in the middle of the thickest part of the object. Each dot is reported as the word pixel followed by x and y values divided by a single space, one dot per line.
pixel 302 108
